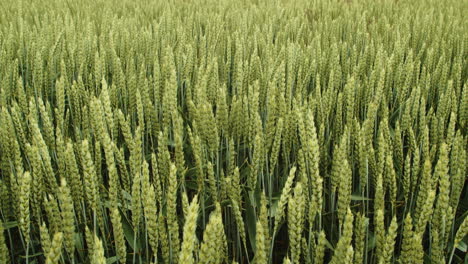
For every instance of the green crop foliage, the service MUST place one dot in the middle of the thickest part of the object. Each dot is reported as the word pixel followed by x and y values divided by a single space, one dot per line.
pixel 249 131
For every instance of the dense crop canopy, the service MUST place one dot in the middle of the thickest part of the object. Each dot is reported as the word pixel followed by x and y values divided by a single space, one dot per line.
pixel 250 131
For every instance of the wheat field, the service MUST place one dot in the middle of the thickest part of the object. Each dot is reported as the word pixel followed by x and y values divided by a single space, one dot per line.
pixel 249 131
